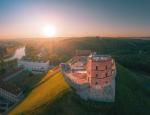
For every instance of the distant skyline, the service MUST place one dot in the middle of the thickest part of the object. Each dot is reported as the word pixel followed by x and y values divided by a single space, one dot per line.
pixel 74 18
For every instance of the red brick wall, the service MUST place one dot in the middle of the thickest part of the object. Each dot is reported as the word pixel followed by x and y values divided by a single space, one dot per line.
pixel 99 72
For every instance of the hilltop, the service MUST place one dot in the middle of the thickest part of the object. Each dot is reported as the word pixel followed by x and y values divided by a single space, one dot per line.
pixel 54 96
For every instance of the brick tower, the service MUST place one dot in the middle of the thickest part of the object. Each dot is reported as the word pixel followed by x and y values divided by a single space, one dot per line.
pixel 99 70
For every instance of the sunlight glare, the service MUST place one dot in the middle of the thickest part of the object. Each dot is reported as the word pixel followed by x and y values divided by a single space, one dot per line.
pixel 49 31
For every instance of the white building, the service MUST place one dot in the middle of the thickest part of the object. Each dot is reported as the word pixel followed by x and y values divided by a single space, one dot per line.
pixel 34 66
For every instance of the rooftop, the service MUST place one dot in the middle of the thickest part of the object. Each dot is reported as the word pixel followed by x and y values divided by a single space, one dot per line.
pixel 79 78
pixel 96 57
pixel 19 82
pixel 14 89
pixel 34 60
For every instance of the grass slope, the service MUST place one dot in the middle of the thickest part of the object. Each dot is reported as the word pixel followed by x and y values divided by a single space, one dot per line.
pixel 45 92
pixel 131 98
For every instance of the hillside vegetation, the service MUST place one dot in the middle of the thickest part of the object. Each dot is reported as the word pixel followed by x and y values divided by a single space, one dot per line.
pixel 131 53
pixel 54 97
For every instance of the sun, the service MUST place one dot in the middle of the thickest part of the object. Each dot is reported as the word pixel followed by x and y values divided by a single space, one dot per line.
pixel 49 31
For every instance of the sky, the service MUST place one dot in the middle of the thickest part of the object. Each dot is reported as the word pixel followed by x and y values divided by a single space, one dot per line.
pixel 115 18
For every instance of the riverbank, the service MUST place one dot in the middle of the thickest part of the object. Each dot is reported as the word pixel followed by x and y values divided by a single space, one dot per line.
pixel 18 54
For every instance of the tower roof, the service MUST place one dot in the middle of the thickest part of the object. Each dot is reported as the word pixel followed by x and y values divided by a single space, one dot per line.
pixel 97 57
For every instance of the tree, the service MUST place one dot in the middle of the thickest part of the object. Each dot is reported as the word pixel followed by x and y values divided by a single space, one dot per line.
pixel 2 53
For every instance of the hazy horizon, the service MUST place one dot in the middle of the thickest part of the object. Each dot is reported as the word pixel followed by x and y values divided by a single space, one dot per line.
pixel 74 18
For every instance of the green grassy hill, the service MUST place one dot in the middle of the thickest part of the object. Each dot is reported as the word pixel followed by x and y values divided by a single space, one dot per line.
pixel 54 97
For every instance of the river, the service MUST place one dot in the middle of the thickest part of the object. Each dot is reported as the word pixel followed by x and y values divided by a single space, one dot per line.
pixel 19 53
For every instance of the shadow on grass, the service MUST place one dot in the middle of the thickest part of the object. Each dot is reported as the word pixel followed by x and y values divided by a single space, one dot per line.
pixel 68 103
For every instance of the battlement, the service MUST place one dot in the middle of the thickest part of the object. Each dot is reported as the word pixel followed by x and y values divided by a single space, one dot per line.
pixel 96 57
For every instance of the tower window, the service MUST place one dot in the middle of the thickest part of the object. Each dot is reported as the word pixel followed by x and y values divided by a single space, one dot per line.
pixel 107 75
pixel 96 75
pixel 96 67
